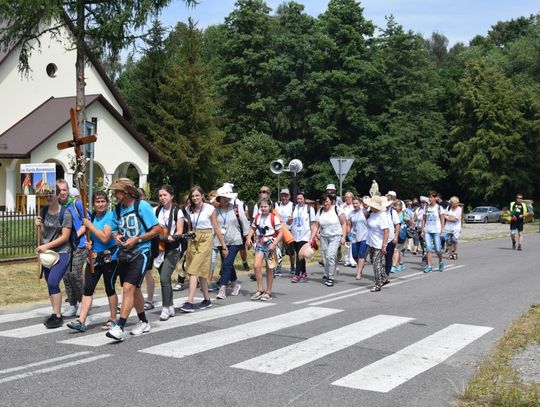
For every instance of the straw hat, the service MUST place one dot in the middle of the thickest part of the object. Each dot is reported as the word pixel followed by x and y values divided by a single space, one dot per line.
pixel 49 258
pixel 306 252
pixel 378 202
pixel 272 260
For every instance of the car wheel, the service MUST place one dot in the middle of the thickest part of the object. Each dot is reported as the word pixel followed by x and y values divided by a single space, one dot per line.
pixel 486 219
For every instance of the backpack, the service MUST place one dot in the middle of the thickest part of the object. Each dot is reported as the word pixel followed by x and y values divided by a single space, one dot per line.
pixel 74 240
pixel 403 232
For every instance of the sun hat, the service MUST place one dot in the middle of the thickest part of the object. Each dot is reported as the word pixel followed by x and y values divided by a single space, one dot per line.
pixel 225 192
pixel 454 200
pixel 125 185
pixel 49 258
pixel 378 202
pixel 331 186
pixel 424 199
pixel 391 193
pixel 306 252
pixel 284 191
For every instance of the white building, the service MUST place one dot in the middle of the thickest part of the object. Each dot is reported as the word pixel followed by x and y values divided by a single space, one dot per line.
pixel 34 118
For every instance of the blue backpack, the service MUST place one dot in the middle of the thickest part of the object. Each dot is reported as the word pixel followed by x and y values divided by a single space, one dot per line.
pixel 74 240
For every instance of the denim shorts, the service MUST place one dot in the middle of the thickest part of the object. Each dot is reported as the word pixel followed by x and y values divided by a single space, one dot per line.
pixel 359 250
pixel 263 248
pixel 430 239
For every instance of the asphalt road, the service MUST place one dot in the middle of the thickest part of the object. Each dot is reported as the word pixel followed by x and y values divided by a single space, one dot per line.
pixel 415 343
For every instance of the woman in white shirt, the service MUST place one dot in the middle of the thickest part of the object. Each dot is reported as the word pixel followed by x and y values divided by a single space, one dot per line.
pixel 303 220
pixel 452 226
pixel 377 237
pixel 331 225
pixel 203 221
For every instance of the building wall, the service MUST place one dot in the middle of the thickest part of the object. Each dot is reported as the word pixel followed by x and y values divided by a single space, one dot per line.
pixel 28 92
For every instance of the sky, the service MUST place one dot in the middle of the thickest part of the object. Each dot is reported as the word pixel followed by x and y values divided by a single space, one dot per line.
pixel 458 20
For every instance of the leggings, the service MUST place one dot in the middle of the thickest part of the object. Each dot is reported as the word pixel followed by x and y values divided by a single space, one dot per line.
pixel 165 272
pixel 109 278
pixel 390 247
pixel 300 263
pixel 378 267
pixel 55 274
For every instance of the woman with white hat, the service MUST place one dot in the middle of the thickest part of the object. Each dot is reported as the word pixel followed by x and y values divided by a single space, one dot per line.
pixel 377 237
pixel 55 252
pixel 234 226
pixel 331 225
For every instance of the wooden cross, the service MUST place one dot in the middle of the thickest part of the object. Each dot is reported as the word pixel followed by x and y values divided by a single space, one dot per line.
pixel 76 144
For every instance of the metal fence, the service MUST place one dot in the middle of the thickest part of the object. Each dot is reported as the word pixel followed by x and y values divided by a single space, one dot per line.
pixel 17 235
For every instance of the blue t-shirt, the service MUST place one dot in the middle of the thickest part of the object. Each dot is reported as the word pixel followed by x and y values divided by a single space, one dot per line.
pixel 130 226
pixel 77 216
pixel 100 223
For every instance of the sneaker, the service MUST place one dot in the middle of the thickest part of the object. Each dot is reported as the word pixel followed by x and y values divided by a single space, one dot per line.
pixel 204 304
pixel 394 269
pixel 428 269
pixel 519 247
pixel 441 266
pixel 171 311
pixel 424 262
pixel 54 321
pixel 292 270
pixel 295 279
pixel 277 273
pixel 235 288
pixel 303 277
pixel 245 265
pixel 187 307
pixel 164 316
pixel 375 289
pixel 178 287
pixel 221 294
pixel 141 328
pixel 325 277
pixel 77 325
pixel 148 305
pixel 212 287
pixel 329 282
pixel 70 312
pixel 252 277
pixel 116 333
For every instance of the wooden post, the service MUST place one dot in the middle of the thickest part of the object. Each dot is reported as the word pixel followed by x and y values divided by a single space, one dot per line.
pixel 38 239
pixel 76 144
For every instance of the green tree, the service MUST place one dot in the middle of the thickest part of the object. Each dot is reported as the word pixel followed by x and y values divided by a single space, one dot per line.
pixel 186 130
pixel 490 155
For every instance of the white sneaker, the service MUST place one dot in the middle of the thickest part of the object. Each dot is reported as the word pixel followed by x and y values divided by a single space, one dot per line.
pixel 116 333
pixel 235 288
pixel 164 314
pixel 171 311
pixel 221 294
pixel 141 328
pixel 70 312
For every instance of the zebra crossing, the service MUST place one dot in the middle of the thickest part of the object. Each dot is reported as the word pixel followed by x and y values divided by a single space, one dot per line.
pixel 381 376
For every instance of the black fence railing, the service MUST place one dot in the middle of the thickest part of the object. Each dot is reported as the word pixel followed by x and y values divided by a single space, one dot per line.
pixel 17 235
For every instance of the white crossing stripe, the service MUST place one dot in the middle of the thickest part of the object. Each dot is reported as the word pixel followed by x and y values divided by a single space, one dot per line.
pixel 52 368
pixel 291 357
pixel 42 312
pixel 100 339
pixel 394 370
pixel 215 339
pixel 44 362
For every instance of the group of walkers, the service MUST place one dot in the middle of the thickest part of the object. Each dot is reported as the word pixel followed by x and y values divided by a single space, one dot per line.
pixel 133 237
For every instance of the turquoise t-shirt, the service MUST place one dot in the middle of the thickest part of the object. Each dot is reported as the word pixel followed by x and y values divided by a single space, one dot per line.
pixel 100 222
pixel 129 224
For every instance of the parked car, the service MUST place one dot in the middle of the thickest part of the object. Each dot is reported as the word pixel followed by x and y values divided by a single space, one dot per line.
pixel 529 217
pixel 483 214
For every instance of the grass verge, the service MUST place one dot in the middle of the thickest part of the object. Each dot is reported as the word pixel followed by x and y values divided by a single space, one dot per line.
pixel 496 383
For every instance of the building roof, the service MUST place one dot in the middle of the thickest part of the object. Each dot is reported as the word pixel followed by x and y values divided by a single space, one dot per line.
pixel 39 125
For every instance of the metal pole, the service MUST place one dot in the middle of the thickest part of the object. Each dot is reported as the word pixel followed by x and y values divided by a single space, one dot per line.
pixel 340 179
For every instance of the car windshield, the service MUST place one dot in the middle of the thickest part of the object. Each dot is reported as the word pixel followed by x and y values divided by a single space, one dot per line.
pixel 480 210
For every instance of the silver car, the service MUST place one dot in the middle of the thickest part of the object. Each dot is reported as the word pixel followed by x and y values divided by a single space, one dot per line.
pixel 483 214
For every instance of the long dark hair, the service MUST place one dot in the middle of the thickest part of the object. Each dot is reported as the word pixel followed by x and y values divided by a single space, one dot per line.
pixel 195 188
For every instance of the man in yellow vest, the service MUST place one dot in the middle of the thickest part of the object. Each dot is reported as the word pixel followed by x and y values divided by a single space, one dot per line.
pixel 518 210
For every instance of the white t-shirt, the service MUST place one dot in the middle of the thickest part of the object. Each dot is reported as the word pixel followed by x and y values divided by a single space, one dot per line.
pixel 347 209
pixel 301 227
pixel 393 220
pixel 285 211
pixel 163 220
pixel 358 225
pixel 376 223
pixel 419 212
pixel 453 226
pixel 263 225
pixel 203 218
pixel 433 219
pixel 329 221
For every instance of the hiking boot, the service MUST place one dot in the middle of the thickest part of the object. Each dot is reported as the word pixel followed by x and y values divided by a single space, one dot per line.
pixel 141 328
pixel 235 288
pixel 204 304
pixel 188 307
pixel 77 325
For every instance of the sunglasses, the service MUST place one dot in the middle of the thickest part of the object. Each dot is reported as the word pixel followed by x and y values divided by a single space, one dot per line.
pixel 264 191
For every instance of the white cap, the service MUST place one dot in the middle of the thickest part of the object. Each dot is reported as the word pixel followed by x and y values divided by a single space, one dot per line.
pixel 284 191
pixel 331 186
pixel 391 193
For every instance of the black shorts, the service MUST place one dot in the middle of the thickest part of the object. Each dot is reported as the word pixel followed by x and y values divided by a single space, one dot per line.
pixel 516 227
pixel 134 271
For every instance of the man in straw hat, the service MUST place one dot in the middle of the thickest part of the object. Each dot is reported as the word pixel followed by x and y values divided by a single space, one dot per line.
pixel 134 224
pixel 377 238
